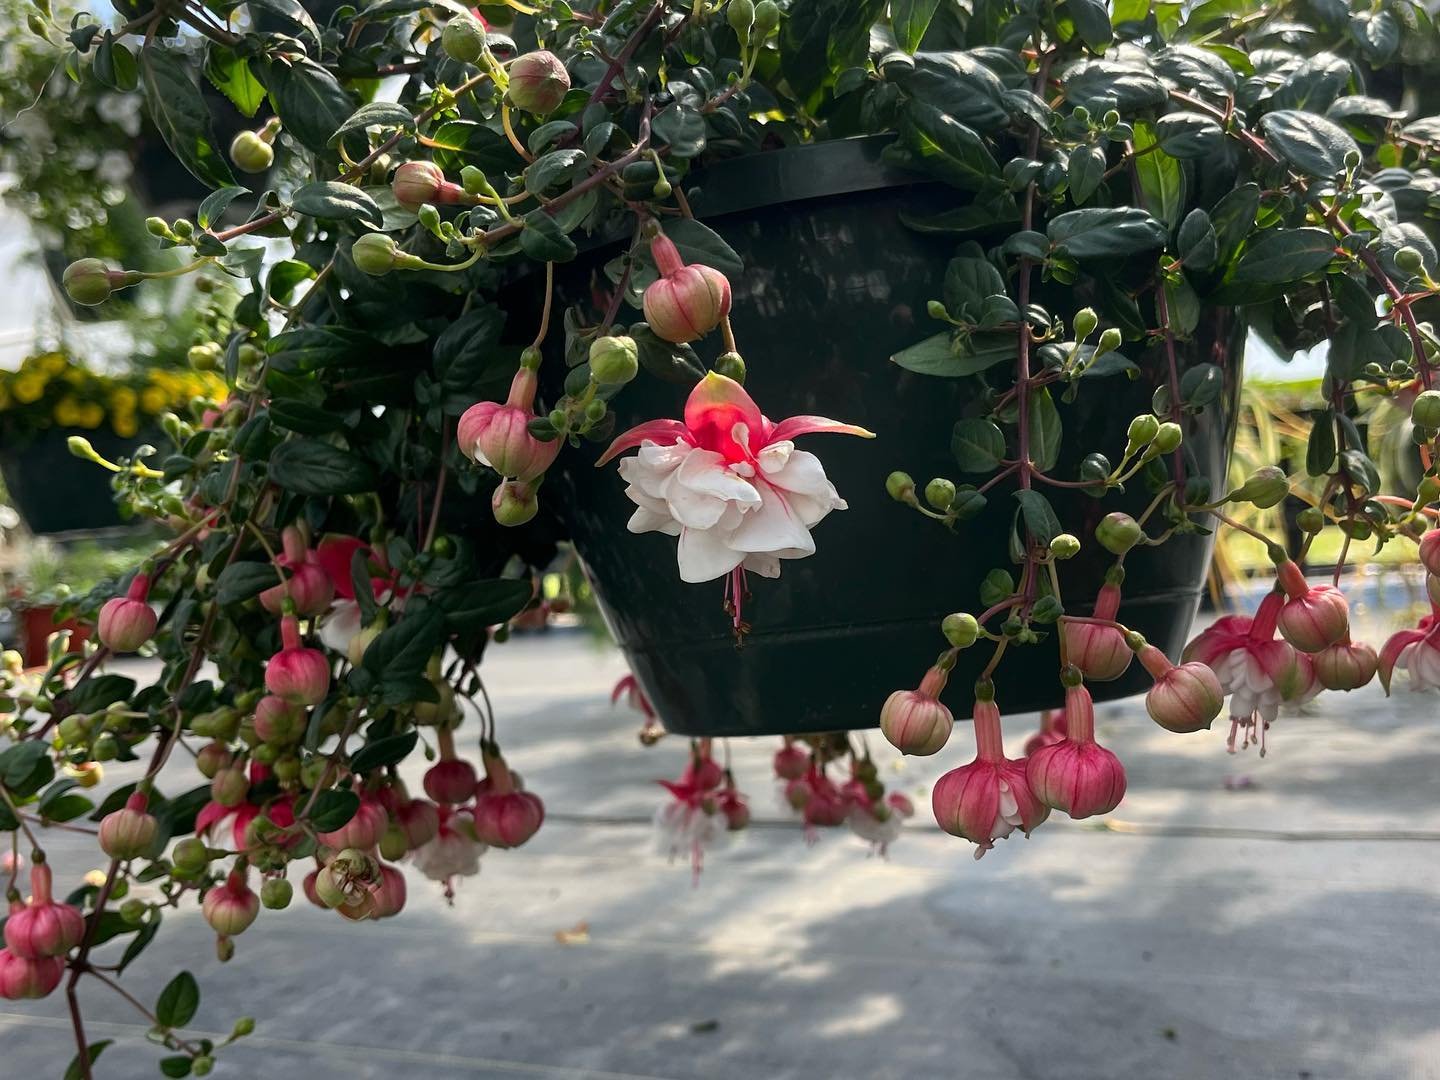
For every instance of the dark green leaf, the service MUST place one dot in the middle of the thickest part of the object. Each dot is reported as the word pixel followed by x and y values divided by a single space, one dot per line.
pixel 310 467
pixel 215 204
pixel 240 581
pixel 951 150
pixel 1201 386
pixel 543 240
pixel 67 808
pixel 178 1001
pixel 698 243
pixel 180 115
pixel 468 353
pixel 231 75
pixel 1196 240
pixel 1193 68
pixel 335 807
pixel 682 129
pixel 26 767
pixel 319 346
pixel 968 281
pixel 910 19
pixel 1162 181
pixel 1100 85
pixel 1092 22
pixel 291 13
pixel 1039 515
pixel 98 691
pixel 978 445
pixel 1320 447
pixel 306 419
pixel 375 114
pixel 1280 256
pixel 404 649
pixel 485 603
pixel 1234 217
pixel 379 753
pixel 939 355
pixel 553 169
pixel 1188 135
pixel 335 201
pixel 1087 169
pixel 1097 232
pixel 1045 430
pixel 310 101
pixel 76 1071
pixel 176 1065
pixel 960 86
pixel 1310 143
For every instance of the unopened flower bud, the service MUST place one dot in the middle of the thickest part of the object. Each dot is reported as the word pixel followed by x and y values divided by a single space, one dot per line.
pixel 614 361
pixel 1425 412
pixel 463 38
pixel 538 82
pixel 1265 487
pixel 230 786
pixel 203 1065
pixel 767 17
pixel 87 281
pixel 1310 520
pixel 127 833
pixel 1109 341
pixel 685 302
pixel 936 310
pixel 1085 323
pixel 159 227
pixel 514 502
pixel 251 153
pixel 940 493
pixel 276 893
pixel 416 183
pixel 740 14
pixel 191 855
pixel 1168 438
pixel 1409 260
pixel 960 629
pixel 1065 546
pixel 1142 430
pixel 731 365
pixel 375 253
pixel 900 487
pixel 244 1026
pixel 1118 532
pixel 916 721
pixel 133 911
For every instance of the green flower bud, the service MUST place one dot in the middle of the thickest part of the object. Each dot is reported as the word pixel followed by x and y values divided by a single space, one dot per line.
pixel 375 253
pixel 514 503
pixel 1143 430
pixel 276 893
pixel 157 226
pixel 614 361
pixel 1409 260
pixel 960 629
pixel 251 153
pixel 595 411
pixel 940 493
pixel 767 17
pixel 1065 546
pixel 936 310
pixel 88 282
pixel 1085 322
pixel 731 365
pixel 1168 438
pixel 1310 520
pixel 899 485
pixel 1357 530
pixel 1118 532
pixel 1265 487
pixel 1428 490
pixel 206 356
pixel 1426 410
pixel 133 911
pixel 190 855
pixel 559 420
pixel 1109 341
pixel 740 14
pixel 244 1026
pixel 202 1065
pixel 463 38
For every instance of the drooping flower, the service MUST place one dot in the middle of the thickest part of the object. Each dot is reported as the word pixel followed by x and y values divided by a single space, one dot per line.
pixel 791 761
pixel 685 302
pixel 505 816
pixel 1313 616
pixel 628 689
pixel 308 585
pixel 1255 668
pixel 916 721
pixel 1345 665
pixel 454 852
pixel 127 622
pixel 296 673
pixel 1417 651
pixel 690 822
pixel 43 927
pixel 1099 651
pixel 991 797
pixel 231 906
pixel 1078 776
pixel 728 482
pixel 22 978
pixel 1185 697
pixel 498 435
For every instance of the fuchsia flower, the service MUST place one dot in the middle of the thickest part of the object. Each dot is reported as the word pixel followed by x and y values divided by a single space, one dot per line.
pixel 685 302
pixel 21 977
pixel 128 832
pixel 791 761
pixel 43 928
pixel 454 852
pixel 991 797
pixel 728 482
pixel 364 828
pixel 916 721
pixel 1255 668
pixel 1313 617
pixel 691 821
pixel 1098 651
pixel 1078 776
pixel 505 816
pixel 1430 551
pixel 1052 730
pixel 230 907
pixel 127 622
pixel 877 820
pixel 308 587
pixel 1184 698
pixel 1345 665
pixel 1417 651
pixel 295 673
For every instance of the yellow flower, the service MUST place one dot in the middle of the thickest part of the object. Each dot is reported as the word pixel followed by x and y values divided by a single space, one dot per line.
pixel 124 425
pixel 53 363
pixel 29 388
pixel 91 415
pixel 122 399
pixel 67 412
pixel 153 400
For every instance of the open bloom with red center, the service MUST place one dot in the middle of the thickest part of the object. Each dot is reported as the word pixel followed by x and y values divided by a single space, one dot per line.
pixel 728 482
pixel 690 822
pixel 1256 669
pixel 308 585
pixel 1314 616
pixel 498 434
pixel 991 797
pixel 1078 776
pixel 1098 651
pixel 1417 651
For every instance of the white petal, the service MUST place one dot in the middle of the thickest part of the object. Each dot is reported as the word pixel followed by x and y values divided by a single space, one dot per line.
pixel 701 489
pixel 704 556
pixel 340 625
pixel 762 563
pixel 774 457
pixel 773 527
pixel 643 521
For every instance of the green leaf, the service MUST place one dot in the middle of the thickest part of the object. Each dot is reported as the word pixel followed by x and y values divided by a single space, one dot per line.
pixel 114 65
pixel 1045 430
pixel 978 445
pixel 1320 447
pixel 1188 135
pixel 1193 68
pixel 76 1071
pixel 485 603
pixel 1106 232
pixel 180 115
pixel 305 419
pixel 310 467
pixel 1280 256
pixel 1234 217
pixel 989 215
pixel 997 585
pixel 379 753
pixel 1310 143
pixel 177 1065
pixel 1086 171
pixel 98 691
pixel 1162 181
pixel 818 37
pixel 240 581
pixel 319 346
pixel 1127 11
pixel 403 649
pixel 1201 385
pixel 553 169
pixel 682 129
pixel 1092 22
pixel 292 13
pixel 178 1001
pixel 1039 515
pixel 231 75
pixel 959 86
pixel 310 101
pixel 468 354
pixel 947 147
pixel 940 355
pixel 67 808
pixel 968 281
pixel 1103 84
pixel 216 203
pixel 543 240
pixel 334 808
pixel 26 767
pixel 1196 242
pixel 909 19
pixel 374 114
pixel 336 202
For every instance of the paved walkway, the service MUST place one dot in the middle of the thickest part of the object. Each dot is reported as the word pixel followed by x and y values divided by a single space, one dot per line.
pixel 1288 929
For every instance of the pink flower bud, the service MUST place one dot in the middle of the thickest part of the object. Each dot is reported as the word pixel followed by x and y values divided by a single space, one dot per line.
pixel 735 809
pixel 307 585
pixel 43 928
pixel 685 302
pixel 826 808
pixel 295 673
pixel 416 183
pixel 230 907
pixel 278 721
pixel 1184 698
pixel 538 82
pixel 389 894
pixel 703 773
pixel 421 821
pixel 508 820
pixel 1314 616
pixel 128 832
pixel 212 758
pixel 1078 776
pixel 915 721
pixel 363 830
pixel 450 781
pixel 989 798
pixel 22 978
pixel 498 435
pixel 791 762
pixel 1345 666
pixel 1430 551
pixel 127 622
pixel 1099 652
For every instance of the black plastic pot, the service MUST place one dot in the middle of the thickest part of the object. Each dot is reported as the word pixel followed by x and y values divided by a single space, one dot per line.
pixel 834 285
pixel 55 491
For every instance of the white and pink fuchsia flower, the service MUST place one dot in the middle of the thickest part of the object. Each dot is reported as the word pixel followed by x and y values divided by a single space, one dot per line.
pixel 728 482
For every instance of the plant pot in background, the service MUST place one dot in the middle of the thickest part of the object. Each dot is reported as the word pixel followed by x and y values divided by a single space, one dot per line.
pixel 37 623
pixel 834 284
pixel 55 491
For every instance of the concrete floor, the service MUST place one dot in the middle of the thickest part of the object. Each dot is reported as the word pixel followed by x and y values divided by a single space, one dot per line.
pixel 1289 929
